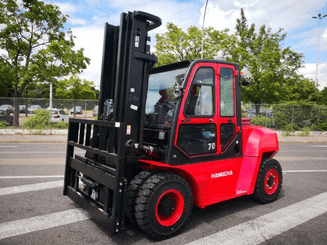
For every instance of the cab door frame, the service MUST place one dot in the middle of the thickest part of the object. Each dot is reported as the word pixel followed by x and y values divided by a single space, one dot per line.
pixel 226 119
pixel 175 155
pixel 185 119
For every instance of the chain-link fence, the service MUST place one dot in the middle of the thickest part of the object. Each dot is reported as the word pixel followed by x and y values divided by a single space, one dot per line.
pixel 283 117
pixel 28 106
pixel 280 117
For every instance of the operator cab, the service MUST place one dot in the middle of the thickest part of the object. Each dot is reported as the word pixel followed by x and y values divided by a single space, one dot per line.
pixel 191 111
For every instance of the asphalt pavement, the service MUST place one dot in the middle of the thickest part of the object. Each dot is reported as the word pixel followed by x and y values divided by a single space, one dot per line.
pixel 34 210
pixel 20 138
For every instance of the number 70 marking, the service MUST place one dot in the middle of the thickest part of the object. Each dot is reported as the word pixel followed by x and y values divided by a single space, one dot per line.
pixel 211 146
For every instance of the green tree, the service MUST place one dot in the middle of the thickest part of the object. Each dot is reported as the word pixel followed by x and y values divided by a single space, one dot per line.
pixel 35 46
pixel 75 88
pixel 176 45
pixel 301 89
pixel 323 96
pixel 268 62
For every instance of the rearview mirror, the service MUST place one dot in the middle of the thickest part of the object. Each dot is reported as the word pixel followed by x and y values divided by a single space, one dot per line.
pixel 245 82
pixel 245 74
pixel 178 88
pixel 178 91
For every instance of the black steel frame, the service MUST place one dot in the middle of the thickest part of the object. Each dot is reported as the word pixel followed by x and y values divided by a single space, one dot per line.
pixel 125 69
pixel 84 134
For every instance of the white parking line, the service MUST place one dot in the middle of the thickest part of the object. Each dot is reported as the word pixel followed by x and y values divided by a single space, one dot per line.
pixel 23 226
pixel 37 152
pixel 8 146
pixel 304 171
pixel 267 226
pixel 251 232
pixel 33 187
pixel 32 177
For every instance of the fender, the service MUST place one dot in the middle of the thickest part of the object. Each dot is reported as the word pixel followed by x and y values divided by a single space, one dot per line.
pixel 258 143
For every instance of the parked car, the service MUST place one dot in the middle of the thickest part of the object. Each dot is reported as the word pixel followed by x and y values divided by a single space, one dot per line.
pixel 95 110
pixel 59 115
pixel 22 109
pixel 79 110
pixel 33 108
pixel 250 112
pixel 53 108
pixel 266 112
pixel 5 116
pixel 8 108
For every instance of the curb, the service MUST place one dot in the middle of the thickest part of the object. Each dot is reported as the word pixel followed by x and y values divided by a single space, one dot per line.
pixel 33 141
pixel 5 131
pixel 302 134
pixel 303 142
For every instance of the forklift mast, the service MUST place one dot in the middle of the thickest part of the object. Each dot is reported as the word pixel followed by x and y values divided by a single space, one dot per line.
pixel 125 69
pixel 96 181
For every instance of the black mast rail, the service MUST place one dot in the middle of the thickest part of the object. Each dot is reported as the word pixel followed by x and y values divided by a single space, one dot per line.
pixel 96 181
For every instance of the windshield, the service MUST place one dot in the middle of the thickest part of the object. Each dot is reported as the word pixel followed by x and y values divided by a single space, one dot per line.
pixel 160 102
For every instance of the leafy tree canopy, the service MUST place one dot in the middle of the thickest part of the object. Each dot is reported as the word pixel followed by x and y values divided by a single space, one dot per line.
pixel 272 66
pixel 301 89
pixel 323 96
pixel 269 63
pixel 176 45
pixel 75 88
pixel 34 47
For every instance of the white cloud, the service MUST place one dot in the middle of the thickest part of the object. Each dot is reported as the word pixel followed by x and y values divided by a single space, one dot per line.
pixel 74 21
pixel 291 15
pixel 218 18
pixel 91 39
pixel 309 39
pixel 309 71
pixel 66 8
pixel 276 14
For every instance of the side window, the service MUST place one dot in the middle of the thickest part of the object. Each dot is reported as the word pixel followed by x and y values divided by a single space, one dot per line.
pixel 196 139
pixel 200 99
pixel 226 92
pixel 227 132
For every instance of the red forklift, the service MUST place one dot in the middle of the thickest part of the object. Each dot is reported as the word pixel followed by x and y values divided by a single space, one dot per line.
pixel 167 138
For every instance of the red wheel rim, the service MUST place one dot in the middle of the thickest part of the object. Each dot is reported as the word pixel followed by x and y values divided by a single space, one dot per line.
pixel 175 206
pixel 271 181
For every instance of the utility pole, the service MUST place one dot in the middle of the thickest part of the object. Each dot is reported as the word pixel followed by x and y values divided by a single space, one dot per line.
pixel 319 17
pixel 204 16
pixel 50 104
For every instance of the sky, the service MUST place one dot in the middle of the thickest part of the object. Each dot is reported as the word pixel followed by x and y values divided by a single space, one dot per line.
pixel 87 19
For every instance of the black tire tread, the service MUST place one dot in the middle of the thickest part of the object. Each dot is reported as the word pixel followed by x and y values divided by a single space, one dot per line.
pixel 132 191
pixel 258 195
pixel 144 198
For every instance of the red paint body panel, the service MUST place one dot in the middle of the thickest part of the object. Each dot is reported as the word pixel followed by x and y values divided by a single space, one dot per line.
pixel 206 190
pixel 258 140
pixel 220 180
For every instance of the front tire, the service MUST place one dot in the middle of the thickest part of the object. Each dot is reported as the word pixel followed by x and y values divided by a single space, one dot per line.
pixel 269 181
pixel 132 191
pixel 163 205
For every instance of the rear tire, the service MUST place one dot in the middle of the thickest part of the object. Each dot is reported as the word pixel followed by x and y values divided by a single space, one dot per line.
pixel 132 191
pixel 163 205
pixel 269 181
